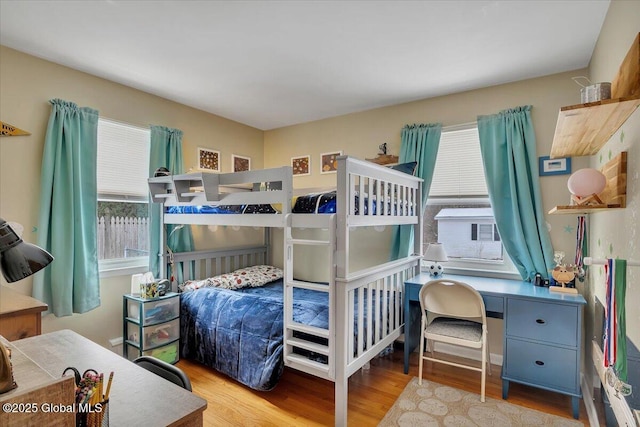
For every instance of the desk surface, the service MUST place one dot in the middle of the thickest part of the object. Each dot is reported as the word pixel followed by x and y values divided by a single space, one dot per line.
pixel 137 397
pixel 503 287
pixel 12 302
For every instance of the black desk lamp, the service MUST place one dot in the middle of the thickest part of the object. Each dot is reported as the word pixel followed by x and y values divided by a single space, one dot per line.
pixel 17 261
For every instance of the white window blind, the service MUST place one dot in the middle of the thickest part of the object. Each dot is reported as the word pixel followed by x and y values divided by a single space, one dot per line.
pixel 458 170
pixel 123 161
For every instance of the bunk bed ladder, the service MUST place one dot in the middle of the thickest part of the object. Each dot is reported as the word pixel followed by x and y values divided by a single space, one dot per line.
pixel 307 348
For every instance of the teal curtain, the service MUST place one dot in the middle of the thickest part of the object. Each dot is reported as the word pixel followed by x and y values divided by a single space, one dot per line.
pixel 419 143
pixel 508 147
pixel 166 151
pixel 68 211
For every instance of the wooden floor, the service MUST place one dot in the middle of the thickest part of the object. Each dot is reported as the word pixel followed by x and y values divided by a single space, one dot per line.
pixel 304 400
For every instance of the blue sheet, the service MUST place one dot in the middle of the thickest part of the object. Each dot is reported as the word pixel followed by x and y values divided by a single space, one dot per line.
pixel 239 333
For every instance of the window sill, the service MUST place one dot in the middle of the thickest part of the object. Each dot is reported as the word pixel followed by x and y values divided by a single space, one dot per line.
pixel 123 267
pixel 483 273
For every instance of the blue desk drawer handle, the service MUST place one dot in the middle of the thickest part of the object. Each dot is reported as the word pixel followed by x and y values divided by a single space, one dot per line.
pixel 540 321
pixel 539 363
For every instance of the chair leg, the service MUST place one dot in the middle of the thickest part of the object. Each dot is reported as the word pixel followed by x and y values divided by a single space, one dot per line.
pixel 484 368
pixel 488 355
pixel 423 326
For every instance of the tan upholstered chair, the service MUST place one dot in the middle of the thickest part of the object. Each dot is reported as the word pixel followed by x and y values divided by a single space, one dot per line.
pixel 453 313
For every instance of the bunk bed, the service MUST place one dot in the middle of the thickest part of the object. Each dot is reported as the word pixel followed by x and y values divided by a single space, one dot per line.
pixel 330 329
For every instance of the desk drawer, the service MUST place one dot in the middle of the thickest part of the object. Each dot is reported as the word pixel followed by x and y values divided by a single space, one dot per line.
pixel 541 365
pixel 548 322
pixel 493 304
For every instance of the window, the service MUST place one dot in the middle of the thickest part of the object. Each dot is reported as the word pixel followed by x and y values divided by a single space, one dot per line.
pixel 485 232
pixel 458 212
pixel 123 202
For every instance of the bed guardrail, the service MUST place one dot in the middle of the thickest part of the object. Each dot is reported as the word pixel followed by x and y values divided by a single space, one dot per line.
pixel 266 186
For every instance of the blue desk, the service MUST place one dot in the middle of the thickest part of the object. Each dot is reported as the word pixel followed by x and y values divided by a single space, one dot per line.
pixel 542 331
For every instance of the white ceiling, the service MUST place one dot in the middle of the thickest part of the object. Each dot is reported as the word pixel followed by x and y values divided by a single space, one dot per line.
pixel 270 64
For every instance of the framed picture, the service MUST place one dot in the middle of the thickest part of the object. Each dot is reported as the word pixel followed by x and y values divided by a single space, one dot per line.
pixel 301 165
pixel 208 160
pixel 329 162
pixel 240 163
pixel 548 166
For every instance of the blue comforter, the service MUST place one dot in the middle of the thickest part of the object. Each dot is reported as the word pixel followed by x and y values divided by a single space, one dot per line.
pixel 239 333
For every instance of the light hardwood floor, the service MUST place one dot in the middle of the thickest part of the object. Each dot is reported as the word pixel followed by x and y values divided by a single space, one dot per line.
pixel 304 400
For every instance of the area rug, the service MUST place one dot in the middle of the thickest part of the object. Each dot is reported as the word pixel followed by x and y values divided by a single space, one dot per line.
pixel 433 404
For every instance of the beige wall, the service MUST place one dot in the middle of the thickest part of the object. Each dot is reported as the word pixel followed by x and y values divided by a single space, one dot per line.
pixel 360 134
pixel 27 84
pixel 616 234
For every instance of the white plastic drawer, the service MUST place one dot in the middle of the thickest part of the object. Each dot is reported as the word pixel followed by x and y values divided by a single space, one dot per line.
pixel 155 335
pixel 169 353
pixel 154 312
pixel 542 321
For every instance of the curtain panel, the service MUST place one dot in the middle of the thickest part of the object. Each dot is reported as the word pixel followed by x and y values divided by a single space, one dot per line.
pixel 68 211
pixel 508 147
pixel 166 151
pixel 419 143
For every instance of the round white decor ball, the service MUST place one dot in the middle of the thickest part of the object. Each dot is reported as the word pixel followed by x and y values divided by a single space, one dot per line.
pixel 585 182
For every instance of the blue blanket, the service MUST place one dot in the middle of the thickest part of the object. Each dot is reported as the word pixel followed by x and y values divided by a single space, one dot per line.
pixel 239 333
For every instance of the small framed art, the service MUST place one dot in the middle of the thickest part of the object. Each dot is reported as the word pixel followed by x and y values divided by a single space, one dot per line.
pixel 329 162
pixel 208 160
pixel 301 165
pixel 240 163
pixel 548 166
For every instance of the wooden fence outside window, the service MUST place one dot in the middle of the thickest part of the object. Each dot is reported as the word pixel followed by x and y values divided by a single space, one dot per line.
pixel 122 237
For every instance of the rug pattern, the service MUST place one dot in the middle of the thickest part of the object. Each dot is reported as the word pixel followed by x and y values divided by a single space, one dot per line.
pixel 432 404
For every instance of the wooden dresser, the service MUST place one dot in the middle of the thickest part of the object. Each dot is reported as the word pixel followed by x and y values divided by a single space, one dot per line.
pixel 20 315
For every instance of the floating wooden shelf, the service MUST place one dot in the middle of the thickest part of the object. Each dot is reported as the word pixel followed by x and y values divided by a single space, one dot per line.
pixel 384 159
pixel 614 194
pixel 583 129
pixel 577 210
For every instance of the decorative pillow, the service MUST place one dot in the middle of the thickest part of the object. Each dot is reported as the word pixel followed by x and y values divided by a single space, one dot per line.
pixel 250 277
pixel 409 167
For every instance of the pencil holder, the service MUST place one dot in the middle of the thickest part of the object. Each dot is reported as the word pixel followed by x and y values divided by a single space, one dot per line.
pixel 93 415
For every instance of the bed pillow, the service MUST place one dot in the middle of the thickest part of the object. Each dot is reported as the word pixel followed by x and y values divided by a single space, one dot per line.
pixel 409 167
pixel 250 277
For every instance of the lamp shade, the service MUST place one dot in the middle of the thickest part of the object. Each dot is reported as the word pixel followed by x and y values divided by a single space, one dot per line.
pixel 18 259
pixel 436 252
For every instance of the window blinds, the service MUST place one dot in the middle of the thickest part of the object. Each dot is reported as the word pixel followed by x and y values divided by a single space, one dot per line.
pixel 123 161
pixel 459 170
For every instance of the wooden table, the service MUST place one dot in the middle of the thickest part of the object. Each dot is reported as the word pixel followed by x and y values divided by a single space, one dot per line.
pixel 138 397
pixel 20 315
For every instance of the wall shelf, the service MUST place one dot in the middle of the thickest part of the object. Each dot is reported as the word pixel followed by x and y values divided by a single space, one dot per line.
pixel 583 129
pixel 579 210
pixel 614 194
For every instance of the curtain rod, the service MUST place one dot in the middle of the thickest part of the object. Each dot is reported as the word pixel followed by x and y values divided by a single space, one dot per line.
pixel 600 261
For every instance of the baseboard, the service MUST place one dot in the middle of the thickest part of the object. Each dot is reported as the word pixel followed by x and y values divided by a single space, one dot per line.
pixel 467 353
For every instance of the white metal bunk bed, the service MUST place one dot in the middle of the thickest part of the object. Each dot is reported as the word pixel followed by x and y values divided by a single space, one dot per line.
pixel 361 325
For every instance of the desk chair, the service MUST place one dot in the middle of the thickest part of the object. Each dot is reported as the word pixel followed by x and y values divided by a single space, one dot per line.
pixel 453 312
pixel 165 370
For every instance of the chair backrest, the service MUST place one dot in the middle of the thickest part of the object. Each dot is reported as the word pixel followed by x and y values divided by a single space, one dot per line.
pixel 451 298
pixel 165 370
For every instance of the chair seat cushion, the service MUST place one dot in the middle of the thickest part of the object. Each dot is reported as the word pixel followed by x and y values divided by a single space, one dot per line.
pixel 456 328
